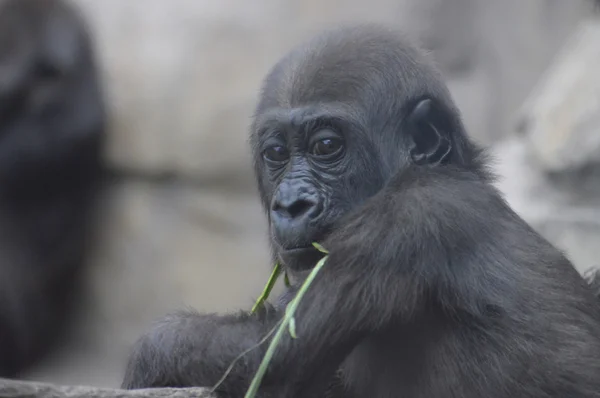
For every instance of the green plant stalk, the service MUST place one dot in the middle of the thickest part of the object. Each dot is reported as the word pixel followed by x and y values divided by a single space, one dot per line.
pixel 268 287
pixel 289 315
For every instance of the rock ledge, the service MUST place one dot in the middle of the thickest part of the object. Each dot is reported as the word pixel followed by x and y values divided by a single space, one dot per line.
pixel 25 389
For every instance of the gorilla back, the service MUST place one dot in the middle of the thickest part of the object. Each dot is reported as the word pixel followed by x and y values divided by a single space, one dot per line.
pixel 433 287
pixel 51 134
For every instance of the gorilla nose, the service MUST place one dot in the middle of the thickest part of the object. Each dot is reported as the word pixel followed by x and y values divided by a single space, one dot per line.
pixel 296 209
pixel 291 213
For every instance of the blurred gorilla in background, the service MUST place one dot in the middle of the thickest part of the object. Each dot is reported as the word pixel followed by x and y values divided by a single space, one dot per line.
pixel 52 120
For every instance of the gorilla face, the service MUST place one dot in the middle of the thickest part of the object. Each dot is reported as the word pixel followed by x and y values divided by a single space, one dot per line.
pixel 316 165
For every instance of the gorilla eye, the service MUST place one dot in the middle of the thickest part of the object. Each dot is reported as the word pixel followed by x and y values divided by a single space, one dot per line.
pixel 327 147
pixel 276 153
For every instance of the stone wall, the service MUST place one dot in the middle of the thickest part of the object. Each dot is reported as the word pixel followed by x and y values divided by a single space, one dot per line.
pixel 551 168
pixel 181 224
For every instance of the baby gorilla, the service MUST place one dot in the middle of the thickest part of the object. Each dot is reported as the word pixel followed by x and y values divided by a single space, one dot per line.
pixel 433 287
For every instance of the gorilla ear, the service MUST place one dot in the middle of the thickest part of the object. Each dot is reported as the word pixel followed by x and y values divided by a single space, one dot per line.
pixel 430 145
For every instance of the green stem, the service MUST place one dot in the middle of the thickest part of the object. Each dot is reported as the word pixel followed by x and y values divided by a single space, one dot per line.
pixel 289 314
pixel 268 287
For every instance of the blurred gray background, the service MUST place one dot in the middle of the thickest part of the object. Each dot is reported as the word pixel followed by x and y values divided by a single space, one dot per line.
pixel 181 78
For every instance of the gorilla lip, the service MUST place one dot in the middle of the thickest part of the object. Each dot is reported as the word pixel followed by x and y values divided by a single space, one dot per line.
pixel 301 257
pixel 298 251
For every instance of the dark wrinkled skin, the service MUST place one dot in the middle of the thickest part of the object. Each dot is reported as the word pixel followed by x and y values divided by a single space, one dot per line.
pixel 433 287
pixel 51 135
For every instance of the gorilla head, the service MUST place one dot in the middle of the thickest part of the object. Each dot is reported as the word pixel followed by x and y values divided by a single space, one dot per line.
pixel 337 118
pixel 51 108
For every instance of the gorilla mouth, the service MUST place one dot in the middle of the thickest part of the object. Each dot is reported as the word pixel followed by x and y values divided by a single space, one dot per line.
pixel 300 258
pixel 300 254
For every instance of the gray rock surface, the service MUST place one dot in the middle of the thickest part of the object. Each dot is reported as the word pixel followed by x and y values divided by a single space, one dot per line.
pixel 568 217
pixel 552 167
pixel 19 389
pixel 183 75
pixel 561 118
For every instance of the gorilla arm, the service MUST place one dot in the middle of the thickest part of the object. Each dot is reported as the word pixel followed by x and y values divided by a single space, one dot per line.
pixel 382 261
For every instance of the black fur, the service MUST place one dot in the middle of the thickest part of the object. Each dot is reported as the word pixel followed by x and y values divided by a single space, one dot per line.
pixel 434 287
pixel 51 133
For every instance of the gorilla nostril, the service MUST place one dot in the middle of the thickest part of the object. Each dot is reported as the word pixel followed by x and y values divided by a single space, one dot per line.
pixel 300 207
